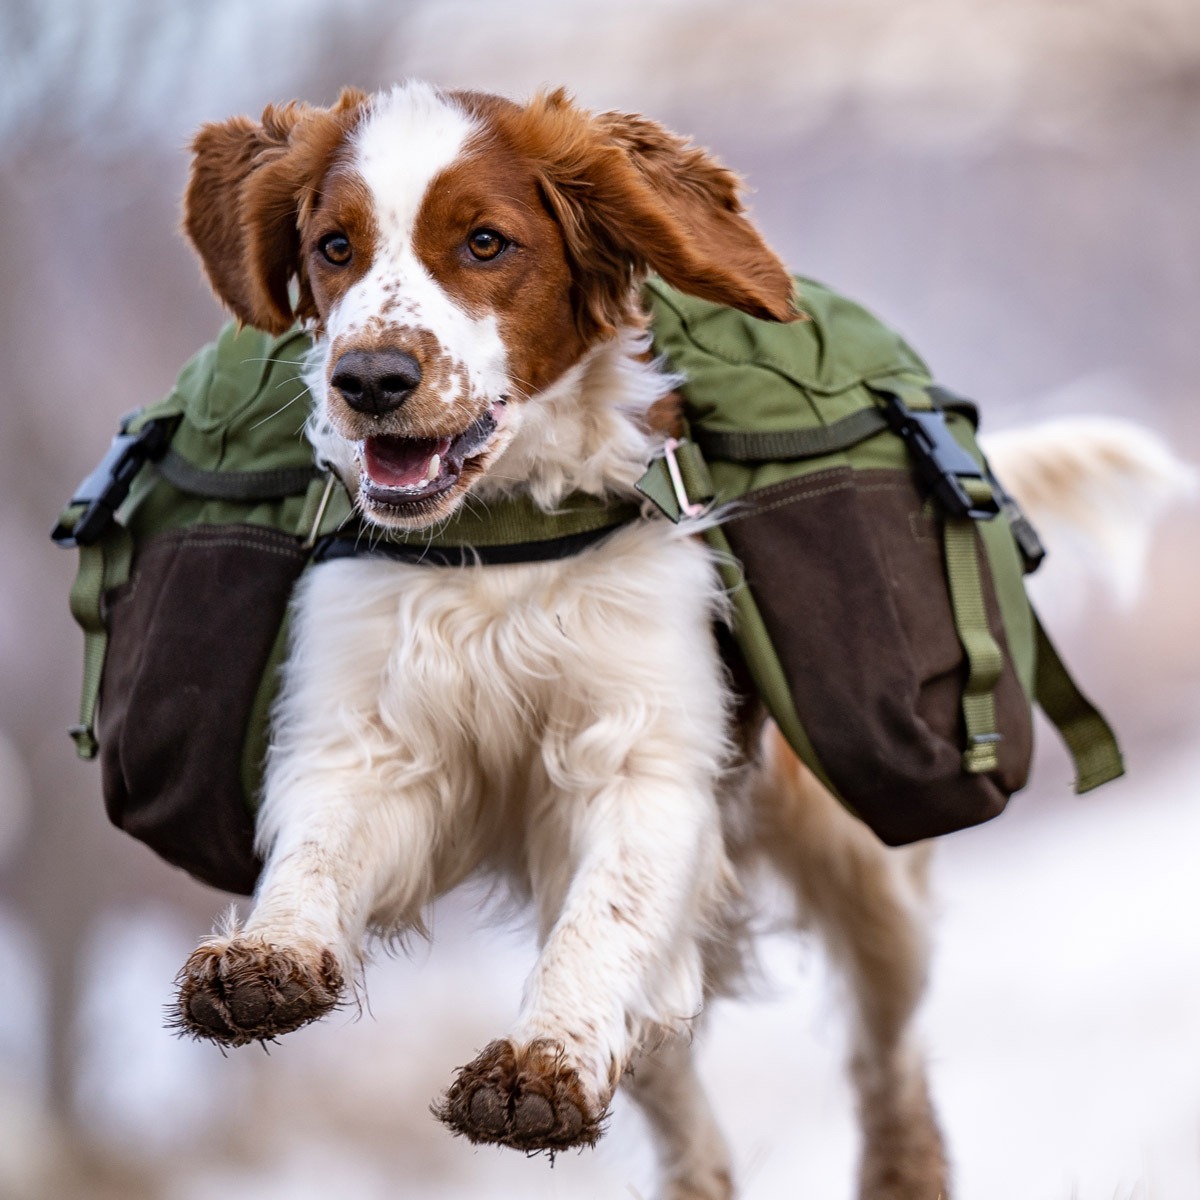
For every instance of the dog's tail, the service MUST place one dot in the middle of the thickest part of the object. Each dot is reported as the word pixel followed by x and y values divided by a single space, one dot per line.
pixel 1093 487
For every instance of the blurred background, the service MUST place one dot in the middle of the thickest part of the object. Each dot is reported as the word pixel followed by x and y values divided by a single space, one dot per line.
pixel 1016 186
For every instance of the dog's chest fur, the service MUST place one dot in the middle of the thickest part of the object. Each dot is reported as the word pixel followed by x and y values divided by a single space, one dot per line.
pixel 486 690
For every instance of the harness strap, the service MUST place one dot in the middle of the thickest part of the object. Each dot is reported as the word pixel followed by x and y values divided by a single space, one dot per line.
pixel 511 530
pixel 677 481
pixel 462 556
pixel 1088 736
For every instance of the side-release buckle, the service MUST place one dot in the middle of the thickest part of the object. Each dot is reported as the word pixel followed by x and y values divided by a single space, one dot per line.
pixel 104 490
pixel 959 484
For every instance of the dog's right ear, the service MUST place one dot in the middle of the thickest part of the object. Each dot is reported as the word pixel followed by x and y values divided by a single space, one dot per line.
pixel 250 189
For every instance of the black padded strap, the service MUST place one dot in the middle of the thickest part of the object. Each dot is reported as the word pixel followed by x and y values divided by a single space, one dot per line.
pixel 460 556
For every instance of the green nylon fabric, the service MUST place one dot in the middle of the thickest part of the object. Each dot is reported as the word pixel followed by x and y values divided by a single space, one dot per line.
pixel 246 403
pixel 101 567
pixel 800 383
pixel 1085 731
pixel 745 375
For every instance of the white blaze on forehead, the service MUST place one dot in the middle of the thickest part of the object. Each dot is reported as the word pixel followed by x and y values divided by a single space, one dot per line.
pixel 410 135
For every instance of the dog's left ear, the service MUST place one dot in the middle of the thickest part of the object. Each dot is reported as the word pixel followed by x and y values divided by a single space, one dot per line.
pixel 633 197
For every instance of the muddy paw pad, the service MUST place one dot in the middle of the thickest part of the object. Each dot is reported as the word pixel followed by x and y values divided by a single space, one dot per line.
pixel 243 992
pixel 527 1098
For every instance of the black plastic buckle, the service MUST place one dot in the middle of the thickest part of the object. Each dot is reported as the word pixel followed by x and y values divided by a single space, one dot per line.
pixel 941 463
pixel 106 487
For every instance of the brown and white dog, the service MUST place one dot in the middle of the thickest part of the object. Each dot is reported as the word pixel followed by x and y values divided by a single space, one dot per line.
pixel 470 266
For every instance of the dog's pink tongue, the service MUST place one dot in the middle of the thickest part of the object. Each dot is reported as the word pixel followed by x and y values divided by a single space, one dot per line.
pixel 403 462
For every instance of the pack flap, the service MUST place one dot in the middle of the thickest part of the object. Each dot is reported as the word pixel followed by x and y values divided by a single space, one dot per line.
pixel 743 372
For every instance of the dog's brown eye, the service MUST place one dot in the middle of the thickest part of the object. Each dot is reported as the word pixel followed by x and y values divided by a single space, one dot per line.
pixel 335 247
pixel 486 243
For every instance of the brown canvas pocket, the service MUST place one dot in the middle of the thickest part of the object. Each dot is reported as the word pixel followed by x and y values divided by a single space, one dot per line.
pixel 847 570
pixel 190 634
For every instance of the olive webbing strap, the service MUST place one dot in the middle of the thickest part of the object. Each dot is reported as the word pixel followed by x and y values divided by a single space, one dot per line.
pixel 985 659
pixel 234 485
pixel 786 444
pixel 1088 736
pixel 102 566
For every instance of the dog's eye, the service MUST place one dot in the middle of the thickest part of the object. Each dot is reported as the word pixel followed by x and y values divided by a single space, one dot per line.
pixel 485 244
pixel 335 248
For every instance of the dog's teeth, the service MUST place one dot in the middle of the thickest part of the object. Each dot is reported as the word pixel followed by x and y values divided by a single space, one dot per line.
pixel 435 465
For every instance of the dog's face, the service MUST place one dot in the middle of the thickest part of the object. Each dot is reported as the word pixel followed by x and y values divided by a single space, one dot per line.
pixel 456 254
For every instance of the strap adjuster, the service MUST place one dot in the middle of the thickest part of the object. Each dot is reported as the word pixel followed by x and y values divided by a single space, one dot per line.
pixel 687 507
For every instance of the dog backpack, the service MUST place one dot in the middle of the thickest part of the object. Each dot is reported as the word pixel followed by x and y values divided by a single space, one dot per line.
pixel 873 565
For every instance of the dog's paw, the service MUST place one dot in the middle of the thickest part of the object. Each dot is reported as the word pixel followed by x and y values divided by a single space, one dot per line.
pixel 240 990
pixel 904 1157
pixel 527 1097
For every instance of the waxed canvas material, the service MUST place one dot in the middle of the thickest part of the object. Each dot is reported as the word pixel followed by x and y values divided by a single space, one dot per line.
pixel 190 635
pixel 840 590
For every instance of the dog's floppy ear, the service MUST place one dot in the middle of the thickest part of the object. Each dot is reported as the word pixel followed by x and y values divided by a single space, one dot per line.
pixel 250 188
pixel 633 198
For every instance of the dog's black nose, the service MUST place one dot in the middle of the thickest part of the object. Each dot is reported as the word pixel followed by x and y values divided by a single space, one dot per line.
pixel 376 381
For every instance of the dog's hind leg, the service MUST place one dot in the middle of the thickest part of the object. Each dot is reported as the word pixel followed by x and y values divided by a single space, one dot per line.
pixel 693 1156
pixel 869 903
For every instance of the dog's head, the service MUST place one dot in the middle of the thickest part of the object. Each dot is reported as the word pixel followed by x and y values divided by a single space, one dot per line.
pixel 456 254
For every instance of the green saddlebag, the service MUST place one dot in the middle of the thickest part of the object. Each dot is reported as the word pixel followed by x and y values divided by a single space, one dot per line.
pixel 192 534
pixel 875 564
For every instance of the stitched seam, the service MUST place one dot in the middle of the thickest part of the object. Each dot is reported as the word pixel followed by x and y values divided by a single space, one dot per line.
pixel 245 543
pixel 814 476
pixel 201 539
pixel 848 486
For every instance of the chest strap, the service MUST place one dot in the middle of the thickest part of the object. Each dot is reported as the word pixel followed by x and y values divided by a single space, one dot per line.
pixel 511 530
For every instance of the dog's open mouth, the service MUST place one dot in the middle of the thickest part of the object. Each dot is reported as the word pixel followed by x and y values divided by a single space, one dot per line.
pixel 399 471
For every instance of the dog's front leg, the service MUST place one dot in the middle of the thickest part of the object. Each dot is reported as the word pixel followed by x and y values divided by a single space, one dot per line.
pixel 347 827
pixel 339 852
pixel 625 881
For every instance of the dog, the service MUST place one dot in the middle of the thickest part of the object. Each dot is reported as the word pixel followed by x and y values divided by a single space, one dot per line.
pixel 469 267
